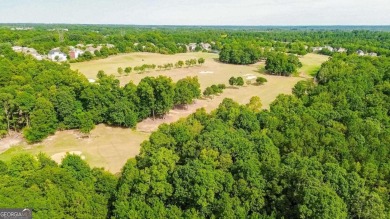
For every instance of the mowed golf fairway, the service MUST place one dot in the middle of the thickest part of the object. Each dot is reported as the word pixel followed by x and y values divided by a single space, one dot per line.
pixel 110 147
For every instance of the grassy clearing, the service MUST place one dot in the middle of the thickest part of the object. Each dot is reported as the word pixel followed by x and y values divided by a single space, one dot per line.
pixel 110 147
pixel 312 63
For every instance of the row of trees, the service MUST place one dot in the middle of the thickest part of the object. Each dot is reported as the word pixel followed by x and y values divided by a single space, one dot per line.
pixel 239 81
pixel 148 67
pixel 41 97
pixel 214 90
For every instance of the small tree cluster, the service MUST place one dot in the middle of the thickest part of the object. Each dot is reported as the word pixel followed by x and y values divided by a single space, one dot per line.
pixel 214 89
pixel 282 64
pixel 239 81
pixel 190 62
pixel 260 80
pixel 144 67
pixel 165 66
pixel 128 70
pixel 186 90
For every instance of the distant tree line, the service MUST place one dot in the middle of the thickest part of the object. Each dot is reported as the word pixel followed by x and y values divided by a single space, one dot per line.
pixel 175 40
pixel 147 67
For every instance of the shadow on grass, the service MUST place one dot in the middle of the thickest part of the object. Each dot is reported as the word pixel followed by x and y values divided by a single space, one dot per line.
pixel 232 87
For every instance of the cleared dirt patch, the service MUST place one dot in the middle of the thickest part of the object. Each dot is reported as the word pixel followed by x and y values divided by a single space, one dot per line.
pixel 10 140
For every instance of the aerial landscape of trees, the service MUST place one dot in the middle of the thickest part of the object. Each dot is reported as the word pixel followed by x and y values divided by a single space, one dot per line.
pixel 40 97
pixel 321 152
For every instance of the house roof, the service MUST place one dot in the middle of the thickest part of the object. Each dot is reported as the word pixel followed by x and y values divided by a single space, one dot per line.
pixel 56 50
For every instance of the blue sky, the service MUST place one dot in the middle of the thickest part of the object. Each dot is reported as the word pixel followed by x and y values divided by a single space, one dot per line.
pixel 198 12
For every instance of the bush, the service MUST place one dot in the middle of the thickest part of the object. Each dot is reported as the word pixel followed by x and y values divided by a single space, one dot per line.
pixel 260 80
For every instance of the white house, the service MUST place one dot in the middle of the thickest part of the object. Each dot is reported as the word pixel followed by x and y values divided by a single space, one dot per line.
pixel 316 49
pixel 28 51
pixel 110 46
pixel 75 53
pixel 360 53
pixel 205 46
pixel 342 50
pixel 192 46
pixel 329 48
pixel 373 54
pixel 56 55
pixel 17 48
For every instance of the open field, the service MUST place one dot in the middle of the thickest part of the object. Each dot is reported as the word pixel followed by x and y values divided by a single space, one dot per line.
pixel 106 147
pixel 111 147
pixel 312 63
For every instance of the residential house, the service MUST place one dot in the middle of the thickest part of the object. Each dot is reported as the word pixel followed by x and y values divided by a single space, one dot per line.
pixel 342 50
pixel 373 54
pixel 92 49
pixel 192 46
pixel 360 53
pixel 17 48
pixel 56 55
pixel 110 46
pixel 316 49
pixel 75 53
pixel 205 46
pixel 329 48
pixel 28 51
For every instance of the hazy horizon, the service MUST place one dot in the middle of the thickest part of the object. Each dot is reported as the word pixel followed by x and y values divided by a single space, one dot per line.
pixel 199 13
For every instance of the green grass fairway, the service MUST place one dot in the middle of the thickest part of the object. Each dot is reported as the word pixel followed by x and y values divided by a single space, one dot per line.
pixel 312 63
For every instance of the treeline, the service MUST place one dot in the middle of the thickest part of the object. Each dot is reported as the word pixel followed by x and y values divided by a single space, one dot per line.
pixel 167 40
pixel 167 66
pixel 40 97
pixel 322 152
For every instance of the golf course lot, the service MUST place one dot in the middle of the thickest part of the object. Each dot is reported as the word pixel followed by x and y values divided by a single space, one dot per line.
pixel 110 147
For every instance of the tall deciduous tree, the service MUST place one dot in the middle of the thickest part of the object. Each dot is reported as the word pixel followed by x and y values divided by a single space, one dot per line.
pixel 43 121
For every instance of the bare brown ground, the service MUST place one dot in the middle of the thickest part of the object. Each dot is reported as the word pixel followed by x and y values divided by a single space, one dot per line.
pixel 13 138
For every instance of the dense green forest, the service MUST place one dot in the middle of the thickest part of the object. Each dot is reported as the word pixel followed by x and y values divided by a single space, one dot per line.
pixel 322 152
pixel 39 97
